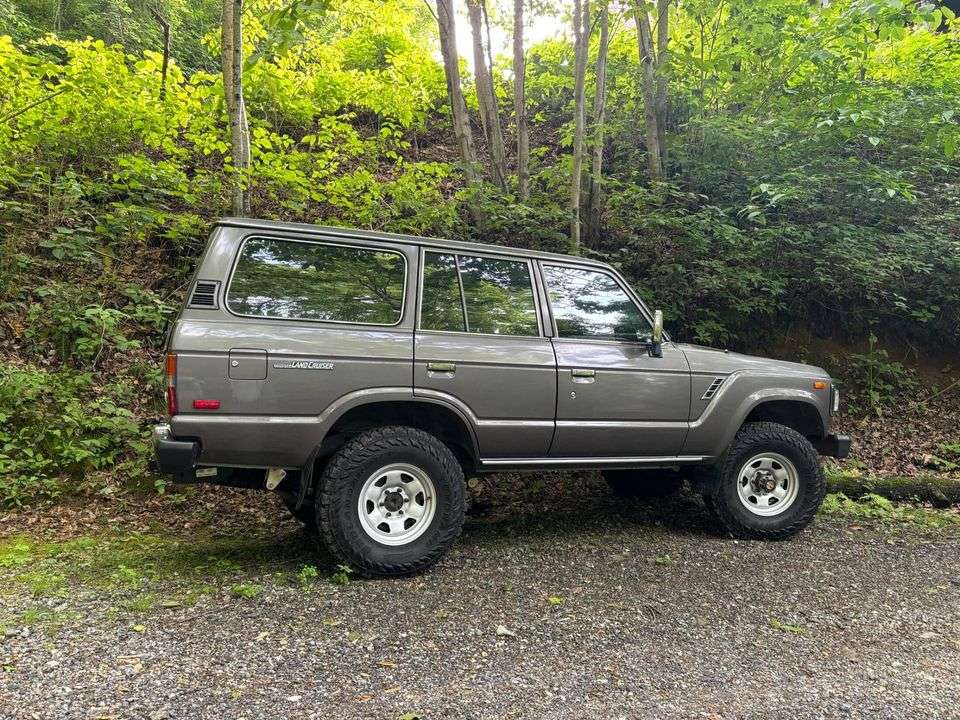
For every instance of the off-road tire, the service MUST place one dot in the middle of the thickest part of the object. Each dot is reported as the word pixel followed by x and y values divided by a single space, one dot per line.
pixel 643 484
pixel 289 492
pixel 755 438
pixel 339 488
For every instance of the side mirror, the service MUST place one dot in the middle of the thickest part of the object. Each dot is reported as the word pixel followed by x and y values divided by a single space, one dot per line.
pixel 656 340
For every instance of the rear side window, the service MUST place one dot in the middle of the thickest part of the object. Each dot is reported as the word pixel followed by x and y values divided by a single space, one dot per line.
pixel 591 304
pixel 497 295
pixel 441 307
pixel 295 280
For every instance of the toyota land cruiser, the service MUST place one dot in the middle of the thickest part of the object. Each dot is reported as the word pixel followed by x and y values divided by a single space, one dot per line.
pixel 364 375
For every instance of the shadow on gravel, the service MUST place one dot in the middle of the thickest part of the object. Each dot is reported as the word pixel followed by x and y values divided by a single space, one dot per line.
pixel 514 514
pixel 683 514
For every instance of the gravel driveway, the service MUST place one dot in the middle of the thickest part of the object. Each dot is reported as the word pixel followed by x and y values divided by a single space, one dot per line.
pixel 606 612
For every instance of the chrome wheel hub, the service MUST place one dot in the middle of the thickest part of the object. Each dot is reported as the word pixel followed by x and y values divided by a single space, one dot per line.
pixel 396 504
pixel 768 484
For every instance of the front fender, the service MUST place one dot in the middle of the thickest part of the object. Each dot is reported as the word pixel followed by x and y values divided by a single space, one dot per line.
pixel 740 394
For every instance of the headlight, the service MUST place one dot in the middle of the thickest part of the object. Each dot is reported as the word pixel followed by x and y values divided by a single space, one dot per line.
pixel 835 401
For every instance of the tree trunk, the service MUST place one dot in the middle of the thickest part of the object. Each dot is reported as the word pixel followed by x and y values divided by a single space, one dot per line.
pixel 663 60
pixel 458 108
pixel 647 82
pixel 232 57
pixel 165 27
pixel 519 102
pixel 599 111
pixel 581 44
pixel 486 99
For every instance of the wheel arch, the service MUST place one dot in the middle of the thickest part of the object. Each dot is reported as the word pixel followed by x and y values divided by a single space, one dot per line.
pixel 443 420
pixel 795 413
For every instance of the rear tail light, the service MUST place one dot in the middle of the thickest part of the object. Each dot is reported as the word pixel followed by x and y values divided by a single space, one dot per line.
pixel 171 372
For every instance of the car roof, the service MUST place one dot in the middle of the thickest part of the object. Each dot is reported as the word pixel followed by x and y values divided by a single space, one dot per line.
pixel 343 232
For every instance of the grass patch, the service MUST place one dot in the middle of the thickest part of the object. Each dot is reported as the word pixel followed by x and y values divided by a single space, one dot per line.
pixel 143 603
pixel 247 591
pixel 132 560
pixel 853 481
pixel 882 510
pixel 150 571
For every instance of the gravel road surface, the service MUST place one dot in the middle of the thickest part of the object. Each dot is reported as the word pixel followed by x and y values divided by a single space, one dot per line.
pixel 606 612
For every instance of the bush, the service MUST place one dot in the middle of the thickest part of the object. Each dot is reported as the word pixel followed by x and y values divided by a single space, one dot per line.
pixel 55 427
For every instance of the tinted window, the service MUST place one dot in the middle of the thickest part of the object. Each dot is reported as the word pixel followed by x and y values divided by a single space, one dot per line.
pixel 498 295
pixel 589 304
pixel 441 307
pixel 312 281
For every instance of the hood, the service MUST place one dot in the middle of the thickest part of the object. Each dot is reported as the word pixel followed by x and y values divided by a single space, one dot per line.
pixel 704 359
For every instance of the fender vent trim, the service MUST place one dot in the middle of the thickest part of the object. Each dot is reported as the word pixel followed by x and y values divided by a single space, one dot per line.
pixel 204 295
pixel 712 390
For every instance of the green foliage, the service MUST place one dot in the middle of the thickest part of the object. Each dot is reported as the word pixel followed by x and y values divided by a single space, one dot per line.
pixel 880 510
pixel 813 180
pixel 247 591
pixel 307 575
pixel 878 381
pixel 55 425
pixel 342 575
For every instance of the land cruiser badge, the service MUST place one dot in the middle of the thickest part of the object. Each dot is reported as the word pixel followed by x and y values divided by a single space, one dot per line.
pixel 303 365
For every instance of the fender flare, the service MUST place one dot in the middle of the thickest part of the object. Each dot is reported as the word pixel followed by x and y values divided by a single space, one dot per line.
pixel 370 396
pixel 760 397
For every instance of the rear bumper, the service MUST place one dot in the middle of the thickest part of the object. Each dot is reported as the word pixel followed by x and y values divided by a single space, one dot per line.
pixel 175 457
pixel 834 445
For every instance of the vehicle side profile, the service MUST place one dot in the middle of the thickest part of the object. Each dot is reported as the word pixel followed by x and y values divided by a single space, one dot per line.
pixel 365 375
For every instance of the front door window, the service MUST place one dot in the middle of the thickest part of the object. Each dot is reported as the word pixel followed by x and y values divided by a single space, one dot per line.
pixel 591 304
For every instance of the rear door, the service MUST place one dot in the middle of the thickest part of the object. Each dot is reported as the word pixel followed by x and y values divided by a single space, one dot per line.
pixel 613 398
pixel 480 345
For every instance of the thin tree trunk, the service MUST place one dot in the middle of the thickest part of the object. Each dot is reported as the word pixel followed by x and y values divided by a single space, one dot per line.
pixel 595 193
pixel 647 82
pixel 663 60
pixel 232 57
pixel 486 99
pixel 519 102
pixel 581 44
pixel 165 26
pixel 458 108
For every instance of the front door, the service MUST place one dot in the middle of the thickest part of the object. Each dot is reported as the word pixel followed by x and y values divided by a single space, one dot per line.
pixel 613 398
pixel 480 345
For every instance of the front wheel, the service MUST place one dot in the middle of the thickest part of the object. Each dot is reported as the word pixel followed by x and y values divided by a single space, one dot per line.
pixel 770 483
pixel 391 501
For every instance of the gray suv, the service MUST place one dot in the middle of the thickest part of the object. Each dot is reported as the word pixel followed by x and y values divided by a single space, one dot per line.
pixel 364 375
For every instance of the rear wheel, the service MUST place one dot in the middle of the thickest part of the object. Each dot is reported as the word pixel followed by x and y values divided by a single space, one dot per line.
pixel 391 501
pixel 643 483
pixel 770 484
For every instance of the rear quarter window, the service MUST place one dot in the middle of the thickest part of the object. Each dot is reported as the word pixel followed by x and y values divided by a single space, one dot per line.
pixel 298 280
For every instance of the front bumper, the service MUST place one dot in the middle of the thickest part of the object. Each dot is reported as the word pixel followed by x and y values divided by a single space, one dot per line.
pixel 175 457
pixel 834 445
